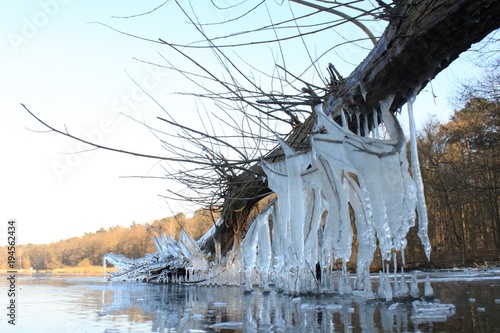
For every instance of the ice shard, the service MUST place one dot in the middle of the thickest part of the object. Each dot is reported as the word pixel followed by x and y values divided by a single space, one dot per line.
pixel 171 260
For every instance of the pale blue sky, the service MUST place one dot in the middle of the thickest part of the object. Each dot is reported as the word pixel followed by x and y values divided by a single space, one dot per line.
pixel 74 74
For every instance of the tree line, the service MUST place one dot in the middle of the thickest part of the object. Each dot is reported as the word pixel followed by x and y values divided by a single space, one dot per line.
pixel 133 242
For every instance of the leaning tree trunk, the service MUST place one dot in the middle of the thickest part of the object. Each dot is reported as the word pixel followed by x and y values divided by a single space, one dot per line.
pixel 422 38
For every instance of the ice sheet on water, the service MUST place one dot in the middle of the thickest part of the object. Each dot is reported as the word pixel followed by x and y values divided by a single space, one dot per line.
pixel 425 310
pixel 220 304
pixel 228 325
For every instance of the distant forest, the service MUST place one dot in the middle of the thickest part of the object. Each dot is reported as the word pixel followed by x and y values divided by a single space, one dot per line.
pixel 460 165
pixel 133 242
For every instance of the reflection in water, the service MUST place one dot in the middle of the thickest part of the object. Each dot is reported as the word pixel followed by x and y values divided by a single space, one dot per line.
pixel 190 309
pixel 78 305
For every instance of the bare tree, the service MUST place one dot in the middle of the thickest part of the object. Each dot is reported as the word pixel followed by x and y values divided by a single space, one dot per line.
pixel 218 163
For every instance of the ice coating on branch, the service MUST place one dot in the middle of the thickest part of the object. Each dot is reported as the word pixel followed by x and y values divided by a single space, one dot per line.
pixel 382 170
pixel 170 256
pixel 345 180
pixel 315 191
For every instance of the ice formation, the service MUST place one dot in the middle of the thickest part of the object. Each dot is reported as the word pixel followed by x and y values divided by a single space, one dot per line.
pixel 345 180
pixel 315 192
pixel 168 264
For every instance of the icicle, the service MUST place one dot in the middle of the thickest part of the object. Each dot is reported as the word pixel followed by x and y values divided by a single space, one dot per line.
pixel 104 267
pixel 414 286
pixel 376 134
pixel 281 240
pixel 417 176
pixel 217 251
pixel 285 178
pixel 395 265
pixel 403 286
pixel 387 287
pixel 403 262
pixel 278 246
pixel 344 280
pixel 249 252
pixel 265 251
pixel 358 123
pixel 362 89
pixel 428 290
pixel 312 241
pixel 345 124
pixel 338 230
pixel 295 164
pixel 367 285
pixel 365 233
pixel 381 284
pixel 365 125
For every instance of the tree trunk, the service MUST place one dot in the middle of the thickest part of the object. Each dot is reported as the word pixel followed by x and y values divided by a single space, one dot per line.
pixel 422 38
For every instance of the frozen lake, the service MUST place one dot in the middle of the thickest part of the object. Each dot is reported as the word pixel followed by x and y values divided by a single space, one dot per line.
pixel 89 304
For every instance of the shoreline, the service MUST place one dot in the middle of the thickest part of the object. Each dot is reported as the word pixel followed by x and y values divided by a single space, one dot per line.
pixel 88 271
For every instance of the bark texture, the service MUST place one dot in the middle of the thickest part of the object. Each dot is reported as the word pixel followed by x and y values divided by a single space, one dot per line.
pixel 422 39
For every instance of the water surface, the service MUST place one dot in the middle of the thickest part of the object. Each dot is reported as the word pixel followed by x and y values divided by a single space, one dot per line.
pixel 90 304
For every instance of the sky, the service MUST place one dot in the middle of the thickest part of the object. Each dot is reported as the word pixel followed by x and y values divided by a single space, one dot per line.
pixel 59 59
